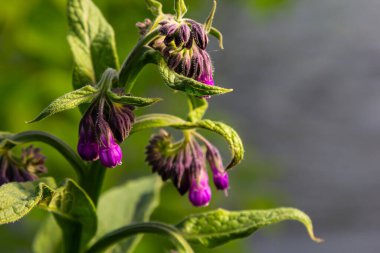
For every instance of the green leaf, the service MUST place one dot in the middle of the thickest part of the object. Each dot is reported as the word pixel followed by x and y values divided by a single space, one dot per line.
pixel 230 135
pixel 133 202
pixel 154 6
pixel 92 42
pixel 68 101
pixel 198 107
pixel 48 237
pixel 18 199
pixel 210 18
pixel 218 35
pixel 68 201
pixel 180 8
pixel 131 100
pixel 155 120
pixel 218 227
pixel 188 85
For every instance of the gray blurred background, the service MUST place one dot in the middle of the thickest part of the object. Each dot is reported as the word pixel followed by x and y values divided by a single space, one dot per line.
pixel 306 75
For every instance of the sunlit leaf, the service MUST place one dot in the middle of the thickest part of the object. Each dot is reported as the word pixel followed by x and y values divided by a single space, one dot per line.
pixel 68 101
pixel 215 228
pixel 155 120
pixel 132 100
pixel 92 42
pixel 188 85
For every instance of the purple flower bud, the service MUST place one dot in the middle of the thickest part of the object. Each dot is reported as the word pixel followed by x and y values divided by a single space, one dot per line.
pixel 220 176
pixel 120 119
pixel 199 35
pixel 88 147
pixel 200 191
pixel 110 153
pixel 184 33
pixel 174 60
pixel 33 160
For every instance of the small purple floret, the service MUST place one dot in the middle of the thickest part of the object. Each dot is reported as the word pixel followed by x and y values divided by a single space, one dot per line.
pixel 200 191
pixel 221 180
pixel 110 153
pixel 89 151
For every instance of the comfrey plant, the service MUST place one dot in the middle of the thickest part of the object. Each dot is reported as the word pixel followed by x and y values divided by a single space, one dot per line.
pixel 84 220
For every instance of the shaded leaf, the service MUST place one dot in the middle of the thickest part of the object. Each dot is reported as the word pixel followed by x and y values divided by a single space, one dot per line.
pixel 68 101
pixel 134 202
pixel 155 120
pixel 218 227
pixel 132 100
pixel 92 42
pixel 48 237
pixel 188 85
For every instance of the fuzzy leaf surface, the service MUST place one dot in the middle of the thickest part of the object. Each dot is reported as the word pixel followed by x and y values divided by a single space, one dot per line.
pixel 188 85
pixel 132 100
pixel 92 42
pixel 218 227
pixel 68 101
pixel 156 120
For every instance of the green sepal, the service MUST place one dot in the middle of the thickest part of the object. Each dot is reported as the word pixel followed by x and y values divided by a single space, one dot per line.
pixel 155 7
pixel 210 18
pixel 218 35
pixel 68 101
pixel 92 42
pixel 132 100
pixel 188 85
pixel 218 227
pixel 180 8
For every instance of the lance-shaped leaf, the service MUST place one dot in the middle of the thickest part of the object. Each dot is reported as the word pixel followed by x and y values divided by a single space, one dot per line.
pixel 134 207
pixel 210 18
pixel 68 202
pixel 188 85
pixel 215 228
pixel 92 42
pixel 180 8
pixel 132 100
pixel 198 107
pixel 154 6
pixel 218 35
pixel 156 120
pixel 68 101
pixel 230 135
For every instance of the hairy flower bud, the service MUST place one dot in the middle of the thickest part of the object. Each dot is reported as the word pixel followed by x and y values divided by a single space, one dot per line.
pixel 88 147
pixel 144 26
pixel 200 191
pixel 220 176
pixel 120 119
pixel 110 153
pixel 28 167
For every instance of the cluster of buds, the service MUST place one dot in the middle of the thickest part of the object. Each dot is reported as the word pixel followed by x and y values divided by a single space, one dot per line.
pixel 103 126
pixel 184 162
pixel 28 167
pixel 183 46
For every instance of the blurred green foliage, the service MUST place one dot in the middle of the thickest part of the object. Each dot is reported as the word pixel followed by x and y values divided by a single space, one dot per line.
pixel 35 68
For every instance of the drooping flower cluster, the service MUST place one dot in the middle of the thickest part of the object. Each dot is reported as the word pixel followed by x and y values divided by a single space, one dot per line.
pixel 104 125
pixel 183 45
pixel 28 167
pixel 184 162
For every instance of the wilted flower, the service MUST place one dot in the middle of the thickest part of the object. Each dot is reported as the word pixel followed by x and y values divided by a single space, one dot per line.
pixel 184 162
pixel 103 125
pixel 28 167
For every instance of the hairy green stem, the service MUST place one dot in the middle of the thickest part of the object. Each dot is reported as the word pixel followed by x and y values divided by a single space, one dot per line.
pixel 147 227
pixel 93 181
pixel 135 61
pixel 62 147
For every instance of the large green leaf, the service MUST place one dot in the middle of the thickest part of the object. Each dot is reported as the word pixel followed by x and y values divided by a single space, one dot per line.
pixel 215 228
pixel 67 202
pixel 129 203
pixel 68 101
pixel 92 42
pixel 188 85
pixel 48 237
